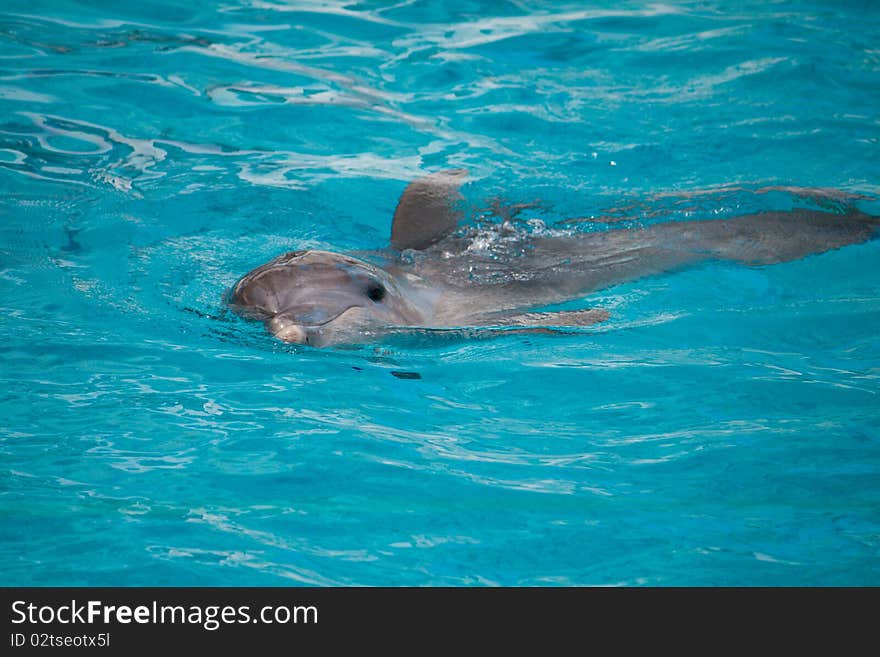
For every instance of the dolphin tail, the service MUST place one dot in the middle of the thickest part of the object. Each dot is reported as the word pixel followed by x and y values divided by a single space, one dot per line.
pixel 774 237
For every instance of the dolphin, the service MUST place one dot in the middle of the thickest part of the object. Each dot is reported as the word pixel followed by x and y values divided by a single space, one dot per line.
pixel 436 278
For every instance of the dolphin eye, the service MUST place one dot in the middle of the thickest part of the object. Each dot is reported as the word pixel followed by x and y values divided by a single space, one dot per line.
pixel 375 292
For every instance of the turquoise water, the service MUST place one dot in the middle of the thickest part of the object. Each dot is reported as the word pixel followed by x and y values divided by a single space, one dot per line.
pixel 720 428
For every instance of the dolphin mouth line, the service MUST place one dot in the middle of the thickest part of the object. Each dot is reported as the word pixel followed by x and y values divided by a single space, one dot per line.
pixel 318 324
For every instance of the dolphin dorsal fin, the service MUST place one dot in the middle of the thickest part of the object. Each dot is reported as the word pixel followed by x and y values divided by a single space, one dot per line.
pixel 426 210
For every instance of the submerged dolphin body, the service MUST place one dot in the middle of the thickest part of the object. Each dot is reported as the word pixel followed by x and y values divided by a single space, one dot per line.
pixel 431 278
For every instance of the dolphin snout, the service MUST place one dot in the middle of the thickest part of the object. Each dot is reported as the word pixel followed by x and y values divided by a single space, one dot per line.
pixel 288 331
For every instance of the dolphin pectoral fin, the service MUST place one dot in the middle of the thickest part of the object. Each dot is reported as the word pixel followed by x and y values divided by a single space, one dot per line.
pixel 426 211
pixel 555 320
pixel 549 323
pixel 535 323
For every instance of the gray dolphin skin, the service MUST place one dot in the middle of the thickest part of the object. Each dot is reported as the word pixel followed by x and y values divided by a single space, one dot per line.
pixel 434 278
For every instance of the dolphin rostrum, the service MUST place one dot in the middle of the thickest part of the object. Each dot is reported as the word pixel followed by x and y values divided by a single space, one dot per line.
pixel 435 278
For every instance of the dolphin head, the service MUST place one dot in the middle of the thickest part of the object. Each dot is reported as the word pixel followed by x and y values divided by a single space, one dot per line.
pixel 320 298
